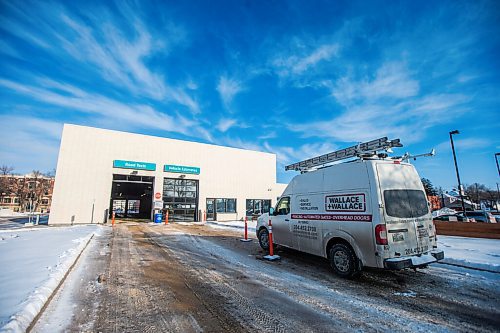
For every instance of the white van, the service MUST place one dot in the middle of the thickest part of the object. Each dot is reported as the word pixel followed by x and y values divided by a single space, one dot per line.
pixel 371 212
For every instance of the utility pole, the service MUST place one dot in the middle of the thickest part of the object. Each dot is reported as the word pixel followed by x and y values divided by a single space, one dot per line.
pixel 496 159
pixel 456 168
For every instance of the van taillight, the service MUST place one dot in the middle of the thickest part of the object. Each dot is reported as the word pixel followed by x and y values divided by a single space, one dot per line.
pixel 381 234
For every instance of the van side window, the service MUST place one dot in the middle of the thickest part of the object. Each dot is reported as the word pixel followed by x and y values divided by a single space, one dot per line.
pixel 283 206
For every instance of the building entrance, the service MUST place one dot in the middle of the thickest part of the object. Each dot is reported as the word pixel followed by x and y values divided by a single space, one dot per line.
pixel 180 197
pixel 132 196
pixel 211 214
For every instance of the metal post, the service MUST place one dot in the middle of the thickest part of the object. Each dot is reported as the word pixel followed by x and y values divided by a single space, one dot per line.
pixel 498 197
pixel 29 212
pixel 456 168
pixel 496 159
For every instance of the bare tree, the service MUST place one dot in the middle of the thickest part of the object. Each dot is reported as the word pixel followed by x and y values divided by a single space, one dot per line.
pixel 476 192
pixel 51 173
pixel 6 170
pixel 35 189
pixel 36 174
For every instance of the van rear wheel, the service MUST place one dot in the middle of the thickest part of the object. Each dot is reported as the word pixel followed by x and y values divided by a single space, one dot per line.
pixel 343 260
pixel 264 238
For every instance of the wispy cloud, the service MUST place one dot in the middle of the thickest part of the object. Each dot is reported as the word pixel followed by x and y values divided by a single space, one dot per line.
pixel 302 58
pixel 27 139
pixel 7 49
pixel 268 135
pixel 228 88
pixel 225 124
pixel 392 80
pixel 119 56
pixel 289 155
pixel 237 142
pixel 389 104
pixel 462 144
pixel 137 115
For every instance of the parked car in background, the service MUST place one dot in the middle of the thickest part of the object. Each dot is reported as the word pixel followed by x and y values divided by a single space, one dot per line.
pixel 451 218
pixel 480 216
pixel 496 215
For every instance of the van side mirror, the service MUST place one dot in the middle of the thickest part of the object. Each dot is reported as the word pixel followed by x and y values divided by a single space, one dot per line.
pixel 271 211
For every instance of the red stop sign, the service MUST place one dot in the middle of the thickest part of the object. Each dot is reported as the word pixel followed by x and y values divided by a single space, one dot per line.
pixel 157 195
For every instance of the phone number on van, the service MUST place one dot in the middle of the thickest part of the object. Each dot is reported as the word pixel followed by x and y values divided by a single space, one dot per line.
pixel 417 250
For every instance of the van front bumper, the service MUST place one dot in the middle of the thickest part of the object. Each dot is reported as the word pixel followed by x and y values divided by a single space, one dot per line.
pixel 414 261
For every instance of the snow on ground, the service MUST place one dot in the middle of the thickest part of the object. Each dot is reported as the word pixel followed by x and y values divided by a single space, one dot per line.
pixel 235 225
pixel 477 253
pixel 33 262
pixel 9 213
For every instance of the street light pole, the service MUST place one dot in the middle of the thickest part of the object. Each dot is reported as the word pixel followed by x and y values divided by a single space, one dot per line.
pixel 498 197
pixel 456 168
pixel 496 159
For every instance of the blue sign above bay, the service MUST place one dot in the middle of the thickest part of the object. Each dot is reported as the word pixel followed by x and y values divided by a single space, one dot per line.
pixel 181 169
pixel 134 165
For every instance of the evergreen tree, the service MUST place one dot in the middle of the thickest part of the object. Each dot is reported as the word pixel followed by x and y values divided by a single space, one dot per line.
pixel 429 188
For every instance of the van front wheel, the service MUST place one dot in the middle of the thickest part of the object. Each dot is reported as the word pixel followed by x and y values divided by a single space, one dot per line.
pixel 264 238
pixel 343 261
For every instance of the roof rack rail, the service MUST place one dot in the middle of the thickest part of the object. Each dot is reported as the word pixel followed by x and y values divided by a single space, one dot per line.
pixel 354 151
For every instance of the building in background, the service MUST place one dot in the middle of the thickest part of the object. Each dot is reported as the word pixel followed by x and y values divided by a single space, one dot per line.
pixel 31 192
pixel 135 176
pixel 435 201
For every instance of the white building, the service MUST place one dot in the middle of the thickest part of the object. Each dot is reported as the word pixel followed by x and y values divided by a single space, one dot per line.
pixel 99 171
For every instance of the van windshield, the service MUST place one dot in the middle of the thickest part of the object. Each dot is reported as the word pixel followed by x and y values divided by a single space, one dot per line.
pixel 405 203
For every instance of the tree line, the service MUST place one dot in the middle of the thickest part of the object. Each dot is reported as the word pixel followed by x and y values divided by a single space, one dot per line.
pixel 29 191
pixel 475 192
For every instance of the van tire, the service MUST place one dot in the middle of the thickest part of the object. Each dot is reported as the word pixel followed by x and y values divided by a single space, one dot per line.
pixel 343 261
pixel 264 238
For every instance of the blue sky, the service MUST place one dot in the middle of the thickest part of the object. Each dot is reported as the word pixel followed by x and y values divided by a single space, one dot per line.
pixel 296 78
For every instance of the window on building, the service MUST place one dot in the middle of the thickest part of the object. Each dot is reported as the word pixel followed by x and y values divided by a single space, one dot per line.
pixel 225 205
pixel 7 200
pixel 16 200
pixel 31 185
pixel 257 206
pixel 45 201
pixel 231 205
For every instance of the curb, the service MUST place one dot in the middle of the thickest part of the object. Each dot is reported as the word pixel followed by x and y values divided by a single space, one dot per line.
pixel 54 292
pixel 468 267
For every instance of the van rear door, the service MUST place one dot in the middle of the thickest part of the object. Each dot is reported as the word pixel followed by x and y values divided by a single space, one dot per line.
pixel 406 211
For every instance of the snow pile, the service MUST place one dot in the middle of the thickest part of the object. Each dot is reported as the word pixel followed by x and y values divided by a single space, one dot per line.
pixel 406 294
pixel 443 211
pixel 33 263
pixel 251 225
pixel 7 212
pixel 478 253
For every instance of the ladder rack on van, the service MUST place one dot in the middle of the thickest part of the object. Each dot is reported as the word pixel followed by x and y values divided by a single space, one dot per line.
pixel 354 151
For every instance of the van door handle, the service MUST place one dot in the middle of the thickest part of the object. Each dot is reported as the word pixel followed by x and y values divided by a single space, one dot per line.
pixel 287 220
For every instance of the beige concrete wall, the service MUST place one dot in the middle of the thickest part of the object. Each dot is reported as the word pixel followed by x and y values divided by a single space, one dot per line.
pixel 85 171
